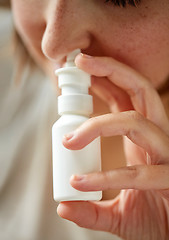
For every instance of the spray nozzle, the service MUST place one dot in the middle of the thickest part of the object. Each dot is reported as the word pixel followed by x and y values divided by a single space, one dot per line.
pixel 71 58
pixel 74 84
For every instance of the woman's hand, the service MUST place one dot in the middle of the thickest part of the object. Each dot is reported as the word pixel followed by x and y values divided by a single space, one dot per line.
pixel 141 211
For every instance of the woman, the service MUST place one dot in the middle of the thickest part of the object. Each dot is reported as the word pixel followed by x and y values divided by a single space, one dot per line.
pixel 28 107
pixel 131 42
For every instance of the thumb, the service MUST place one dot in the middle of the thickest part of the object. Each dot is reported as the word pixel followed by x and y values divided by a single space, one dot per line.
pixel 91 215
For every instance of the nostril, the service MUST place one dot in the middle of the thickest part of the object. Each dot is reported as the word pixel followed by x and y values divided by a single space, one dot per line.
pixel 57 42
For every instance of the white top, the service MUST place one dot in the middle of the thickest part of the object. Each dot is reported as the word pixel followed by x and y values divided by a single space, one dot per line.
pixel 27 113
pixel 74 82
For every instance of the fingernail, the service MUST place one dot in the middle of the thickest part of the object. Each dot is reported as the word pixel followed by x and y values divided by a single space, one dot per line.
pixel 77 177
pixel 86 56
pixel 69 136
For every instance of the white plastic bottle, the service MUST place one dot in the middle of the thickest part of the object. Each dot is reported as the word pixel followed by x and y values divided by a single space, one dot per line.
pixel 74 105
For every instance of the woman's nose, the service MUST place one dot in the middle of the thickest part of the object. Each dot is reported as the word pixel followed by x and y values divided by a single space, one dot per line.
pixel 67 28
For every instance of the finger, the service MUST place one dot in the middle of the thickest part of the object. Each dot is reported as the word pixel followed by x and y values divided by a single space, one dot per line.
pixel 92 215
pixel 138 129
pixel 113 96
pixel 142 93
pixel 140 177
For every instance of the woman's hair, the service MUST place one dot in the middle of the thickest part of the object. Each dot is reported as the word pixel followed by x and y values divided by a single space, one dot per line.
pixel 5 3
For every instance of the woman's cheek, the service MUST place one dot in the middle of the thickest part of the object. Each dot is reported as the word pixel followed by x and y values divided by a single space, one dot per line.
pixel 29 22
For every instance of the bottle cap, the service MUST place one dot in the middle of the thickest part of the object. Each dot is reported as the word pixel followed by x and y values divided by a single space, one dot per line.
pixel 74 84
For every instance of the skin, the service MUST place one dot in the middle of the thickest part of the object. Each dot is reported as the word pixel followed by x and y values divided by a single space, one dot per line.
pixel 131 61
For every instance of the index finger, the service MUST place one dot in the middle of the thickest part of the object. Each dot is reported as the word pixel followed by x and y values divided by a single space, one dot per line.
pixel 144 97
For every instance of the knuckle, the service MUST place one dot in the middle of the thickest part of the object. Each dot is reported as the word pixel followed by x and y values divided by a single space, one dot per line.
pixel 135 116
pixel 96 125
pixel 93 126
pixel 94 122
pixel 144 87
pixel 136 122
pixel 132 172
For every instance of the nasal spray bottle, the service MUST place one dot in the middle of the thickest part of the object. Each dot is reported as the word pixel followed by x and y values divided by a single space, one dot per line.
pixel 74 106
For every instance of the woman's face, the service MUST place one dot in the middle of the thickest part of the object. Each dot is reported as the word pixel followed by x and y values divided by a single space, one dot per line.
pixel 137 36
